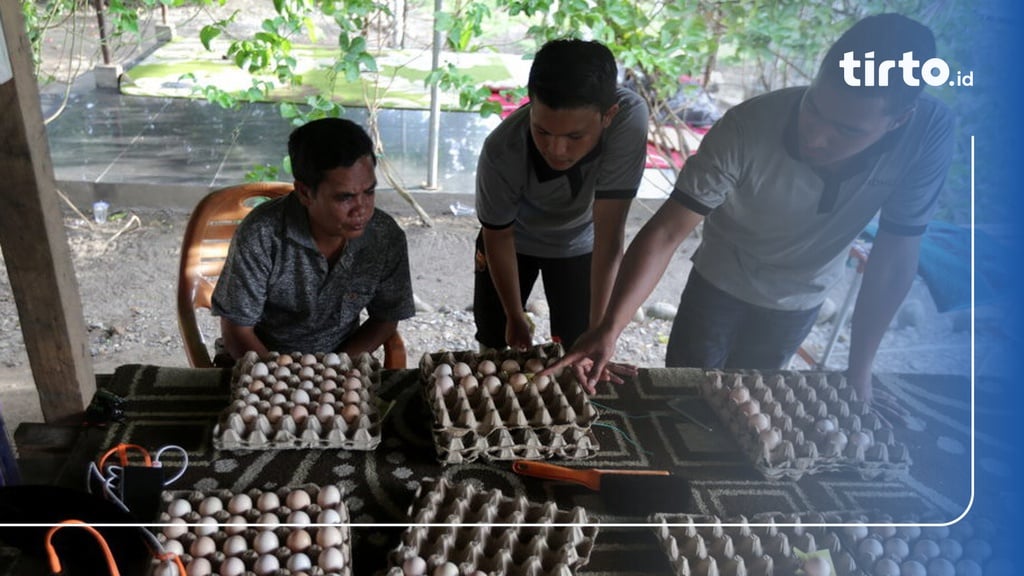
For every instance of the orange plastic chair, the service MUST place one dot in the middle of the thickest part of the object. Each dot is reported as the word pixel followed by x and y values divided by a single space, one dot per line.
pixel 203 250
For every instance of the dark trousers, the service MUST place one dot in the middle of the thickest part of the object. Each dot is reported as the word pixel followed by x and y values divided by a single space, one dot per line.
pixel 566 285
pixel 715 330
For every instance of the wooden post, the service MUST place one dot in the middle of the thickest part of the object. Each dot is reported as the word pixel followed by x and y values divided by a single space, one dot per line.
pixel 35 248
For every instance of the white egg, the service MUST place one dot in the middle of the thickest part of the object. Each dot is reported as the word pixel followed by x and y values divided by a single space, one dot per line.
pixel 750 407
pixel 203 546
pixel 267 565
pixel 307 373
pixel 176 528
pixel 232 567
pixel 328 516
pixel 759 422
pixel 235 525
pixel 298 540
pixel 328 496
pixel 206 526
pixel 259 370
pixel 268 502
pixel 739 394
pixel 210 506
pixel 234 545
pixel 860 439
pixel 328 536
pixel 414 566
pixel 178 508
pixel 817 566
pixel 269 520
pixel 326 398
pixel 298 518
pixel 265 542
pixel 771 438
pixel 239 504
pixel 442 370
pixel 299 562
pixel 332 360
pixel 298 499
pixel 174 547
pixel 307 360
pixel 444 384
pixel 331 560
pixel 329 385
pixel 300 397
pixel 824 426
pixel 282 372
pixel 324 413
pixel 353 383
pixel 277 399
pixel 351 397
pixel 199 567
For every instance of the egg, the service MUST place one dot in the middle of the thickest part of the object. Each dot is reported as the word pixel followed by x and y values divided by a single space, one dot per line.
pixel 235 525
pixel 267 565
pixel 968 567
pixel 239 504
pixel 940 567
pixel 913 568
pixel 353 383
pixel 541 382
pixel 277 399
pixel 771 438
pixel 328 516
pixel 269 520
pixel 469 383
pixel 210 506
pixel 268 502
pixel 750 407
pixel 232 567
pixel 300 397
pixel 199 567
pixel 886 567
pixel 442 370
pixel 492 383
pixel 518 381
pixel 461 370
pixel 282 372
pixel 265 542
pixel 896 548
pixel 444 384
pixel 486 367
pixel 838 440
pixel 870 548
pixel 533 365
pixel 299 563
pixel 326 398
pixel 446 569
pixel 328 536
pixel 307 360
pixel 329 385
pixel 860 440
pixel 203 546
pixel 234 545
pixel 175 528
pixel 285 359
pixel 174 547
pixel 414 566
pixel 824 426
pixel 298 540
pixel 259 370
pixel 331 560
pixel 178 508
pixel 206 526
pixel 351 397
pixel 324 413
pixel 350 413
pixel 298 499
pixel 856 533
pixel 299 413
pixel 510 366
pixel 328 496
pixel 759 422
pixel 298 518
pixel 739 394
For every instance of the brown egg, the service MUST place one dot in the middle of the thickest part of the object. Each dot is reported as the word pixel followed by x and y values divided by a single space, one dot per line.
pixel 299 540
pixel 298 500
pixel 203 546
pixel 350 413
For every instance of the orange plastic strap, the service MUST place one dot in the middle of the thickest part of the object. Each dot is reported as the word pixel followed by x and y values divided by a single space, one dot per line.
pixel 166 556
pixel 51 552
pixel 122 454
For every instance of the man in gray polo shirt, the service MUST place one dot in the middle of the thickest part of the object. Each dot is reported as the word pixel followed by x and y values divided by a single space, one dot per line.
pixel 554 184
pixel 301 268
pixel 784 183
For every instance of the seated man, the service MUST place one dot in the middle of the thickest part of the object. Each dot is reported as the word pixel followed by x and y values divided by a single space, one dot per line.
pixel 784 182
pixel 301 268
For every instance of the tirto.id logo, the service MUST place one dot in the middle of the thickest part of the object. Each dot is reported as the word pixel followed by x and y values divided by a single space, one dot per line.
pixel 867 72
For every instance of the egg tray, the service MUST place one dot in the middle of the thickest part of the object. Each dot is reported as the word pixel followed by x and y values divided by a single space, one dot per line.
pixel 506 414
pixel 484 532
pixel 702 545
pixel 301 401
pixel 223 518
pixel 821 426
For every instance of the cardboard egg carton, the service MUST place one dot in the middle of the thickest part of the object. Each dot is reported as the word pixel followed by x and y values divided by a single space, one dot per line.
pixel 257 532
pixel 793 423
pixel 484 532
pixel 289 401
pixel 707 545
pixel 492 405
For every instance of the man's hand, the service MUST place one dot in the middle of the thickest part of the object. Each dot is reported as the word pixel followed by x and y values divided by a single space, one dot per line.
pixel 590 359
pixel 884 404
pixel 518 331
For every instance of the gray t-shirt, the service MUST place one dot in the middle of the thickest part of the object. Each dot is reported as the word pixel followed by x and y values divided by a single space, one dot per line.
pixel 553 211
pixel 277 280
pixel 776 233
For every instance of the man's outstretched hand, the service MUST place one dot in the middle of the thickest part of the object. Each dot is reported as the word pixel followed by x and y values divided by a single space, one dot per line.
pixel 590 361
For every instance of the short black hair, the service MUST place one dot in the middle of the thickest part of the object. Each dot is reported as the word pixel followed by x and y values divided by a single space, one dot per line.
pixel 570 73
pixel 326 144
pixel 888 36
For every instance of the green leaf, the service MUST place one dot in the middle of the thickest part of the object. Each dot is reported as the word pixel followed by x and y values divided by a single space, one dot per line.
pixel 207 35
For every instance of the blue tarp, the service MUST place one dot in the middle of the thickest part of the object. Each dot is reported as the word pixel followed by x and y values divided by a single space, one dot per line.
pixel 945 265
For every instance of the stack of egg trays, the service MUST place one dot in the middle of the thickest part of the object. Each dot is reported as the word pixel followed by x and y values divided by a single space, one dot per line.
pixel 484 532
pixel 821 425
pixel 326 384
pixel 257 532
pixel 530 424
pixel 705 545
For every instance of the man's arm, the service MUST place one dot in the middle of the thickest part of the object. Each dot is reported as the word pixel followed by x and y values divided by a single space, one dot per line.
pixel 889 273
pixel 609 240
pixel 240 339
pixel 500 247
pixel 368 337
pixel 641 269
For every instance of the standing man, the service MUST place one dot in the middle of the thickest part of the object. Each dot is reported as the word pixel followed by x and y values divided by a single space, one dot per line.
pixel 554 184
pixel 301 268
pixel 784 183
